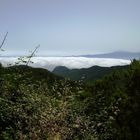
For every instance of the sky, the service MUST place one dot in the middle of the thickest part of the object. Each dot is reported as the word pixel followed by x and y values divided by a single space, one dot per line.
pixel 70 27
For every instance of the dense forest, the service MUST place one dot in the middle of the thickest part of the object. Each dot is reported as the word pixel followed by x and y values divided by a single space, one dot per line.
pixel 38 105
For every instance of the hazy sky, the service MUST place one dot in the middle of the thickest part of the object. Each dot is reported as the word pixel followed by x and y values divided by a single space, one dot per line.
pixel 70 27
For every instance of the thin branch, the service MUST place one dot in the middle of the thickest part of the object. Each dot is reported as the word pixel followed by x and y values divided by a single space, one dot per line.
pixel 3 40
pixel 32 54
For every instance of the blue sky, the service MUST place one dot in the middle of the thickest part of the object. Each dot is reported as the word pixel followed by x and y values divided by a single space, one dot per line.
pixel 70 27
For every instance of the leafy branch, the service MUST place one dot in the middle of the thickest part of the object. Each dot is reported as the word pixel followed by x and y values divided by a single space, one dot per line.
pixel 27 59
pixel 32 54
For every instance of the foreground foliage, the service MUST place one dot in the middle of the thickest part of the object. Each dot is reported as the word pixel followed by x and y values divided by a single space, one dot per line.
pixel 35 104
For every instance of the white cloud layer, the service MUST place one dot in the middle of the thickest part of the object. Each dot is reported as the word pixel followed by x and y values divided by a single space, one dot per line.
pixel 71 62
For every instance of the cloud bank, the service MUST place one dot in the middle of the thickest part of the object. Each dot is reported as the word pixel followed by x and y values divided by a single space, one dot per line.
pixel 71 62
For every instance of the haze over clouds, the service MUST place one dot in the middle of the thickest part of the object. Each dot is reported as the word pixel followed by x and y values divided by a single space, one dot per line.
pixel 71 62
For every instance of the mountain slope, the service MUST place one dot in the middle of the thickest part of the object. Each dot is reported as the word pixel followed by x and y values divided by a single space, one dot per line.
pixel 86 74
pixel 36 104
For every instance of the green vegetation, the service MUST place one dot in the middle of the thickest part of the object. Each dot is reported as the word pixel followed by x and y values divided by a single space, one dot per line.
pixel 87 74
pixel 38 105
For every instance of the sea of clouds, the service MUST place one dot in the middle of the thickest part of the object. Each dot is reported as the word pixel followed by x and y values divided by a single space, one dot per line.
pixel 70 62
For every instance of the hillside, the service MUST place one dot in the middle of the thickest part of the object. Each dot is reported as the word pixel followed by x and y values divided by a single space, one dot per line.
pixel 86 74
pixel 36 104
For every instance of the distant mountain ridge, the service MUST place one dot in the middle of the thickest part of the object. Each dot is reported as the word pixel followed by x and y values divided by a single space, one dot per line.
pixel 117 55
pixel 86 74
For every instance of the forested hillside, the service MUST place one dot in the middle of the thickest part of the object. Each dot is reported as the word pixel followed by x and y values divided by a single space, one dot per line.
pixel 87 74
pixel 38 105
